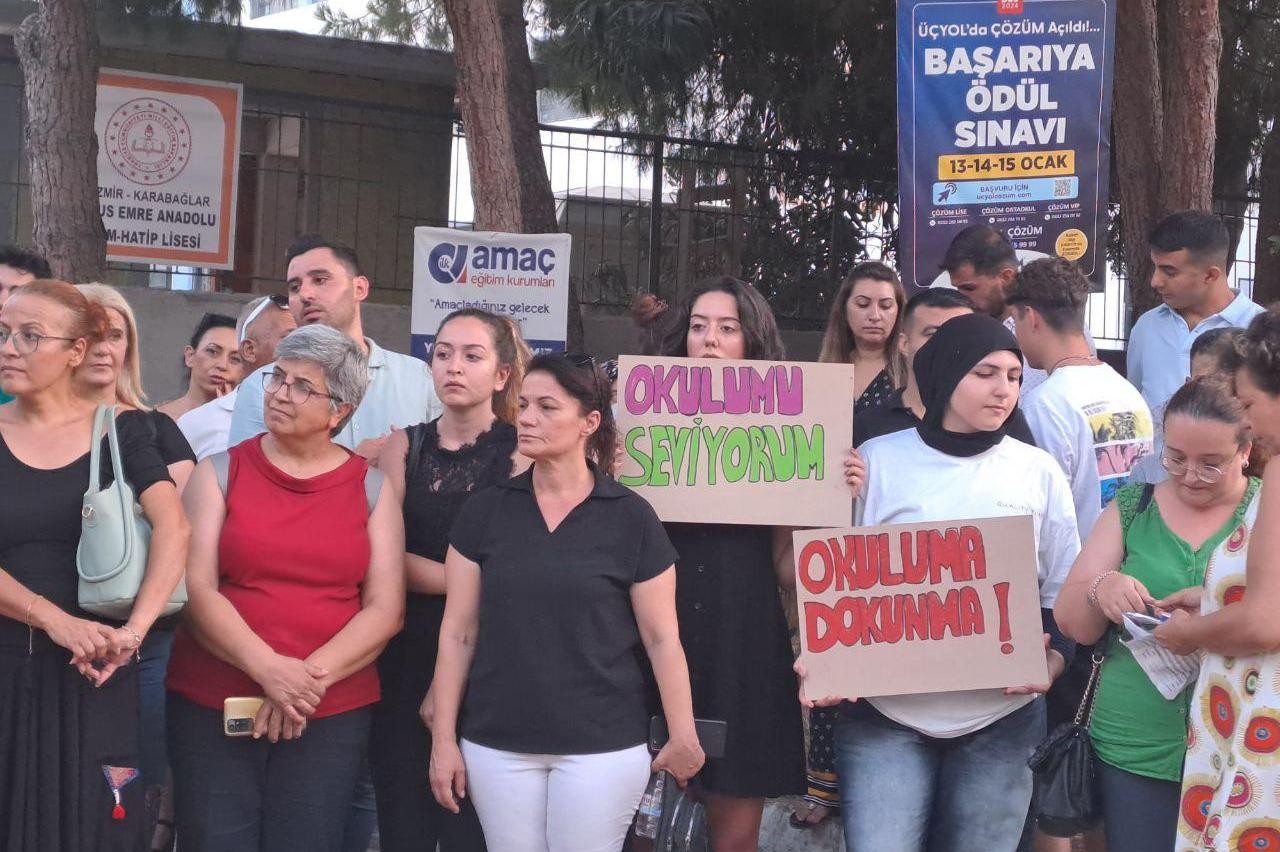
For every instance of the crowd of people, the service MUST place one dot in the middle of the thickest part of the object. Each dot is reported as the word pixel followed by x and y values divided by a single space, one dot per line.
pixel 432 605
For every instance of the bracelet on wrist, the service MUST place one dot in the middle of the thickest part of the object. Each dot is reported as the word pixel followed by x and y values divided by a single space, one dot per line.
pixel 1093 587
pixel 31 628
pixel 137 642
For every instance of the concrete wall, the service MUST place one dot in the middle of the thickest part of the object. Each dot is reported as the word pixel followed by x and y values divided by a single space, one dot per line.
pixel 166 320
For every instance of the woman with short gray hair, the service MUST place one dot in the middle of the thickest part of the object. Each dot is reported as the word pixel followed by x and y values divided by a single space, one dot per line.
pixel 295 585
pixel 343 362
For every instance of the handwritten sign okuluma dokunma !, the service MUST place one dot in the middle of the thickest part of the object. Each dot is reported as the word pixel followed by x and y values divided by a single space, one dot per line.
pixel 737 442
pixel 914 608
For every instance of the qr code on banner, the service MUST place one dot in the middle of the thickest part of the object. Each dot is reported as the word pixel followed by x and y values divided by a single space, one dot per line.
pixel 1062 187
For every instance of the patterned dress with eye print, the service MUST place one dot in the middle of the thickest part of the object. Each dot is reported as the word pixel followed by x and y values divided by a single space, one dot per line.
pixel 1231 779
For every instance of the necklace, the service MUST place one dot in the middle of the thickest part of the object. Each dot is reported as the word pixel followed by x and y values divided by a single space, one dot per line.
pixel 1087 359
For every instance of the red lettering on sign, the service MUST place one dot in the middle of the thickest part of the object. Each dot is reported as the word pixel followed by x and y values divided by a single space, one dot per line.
pixel 815 549
pixel 890 619
pixel 958 552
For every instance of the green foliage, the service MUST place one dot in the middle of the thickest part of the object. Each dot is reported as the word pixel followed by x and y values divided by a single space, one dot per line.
pixel 418 22
pixel 224 11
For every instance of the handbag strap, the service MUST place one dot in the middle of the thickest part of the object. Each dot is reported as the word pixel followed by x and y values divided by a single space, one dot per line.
pixel 105 417
pixel 1084 713
pixel 95 449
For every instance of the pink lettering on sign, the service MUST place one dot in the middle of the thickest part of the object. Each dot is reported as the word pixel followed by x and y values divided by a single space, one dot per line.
pixel 691 390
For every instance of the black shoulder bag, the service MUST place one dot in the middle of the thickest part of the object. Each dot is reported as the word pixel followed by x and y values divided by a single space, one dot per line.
pixel 1067 800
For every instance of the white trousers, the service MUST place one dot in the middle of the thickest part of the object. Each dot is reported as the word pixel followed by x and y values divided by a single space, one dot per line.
pixel 553 802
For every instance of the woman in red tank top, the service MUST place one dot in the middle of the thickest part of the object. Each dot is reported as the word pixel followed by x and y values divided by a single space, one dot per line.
pixel 295 586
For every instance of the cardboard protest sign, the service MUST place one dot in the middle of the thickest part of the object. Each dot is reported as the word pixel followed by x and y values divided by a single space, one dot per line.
pixel 913 608
pixel 737 442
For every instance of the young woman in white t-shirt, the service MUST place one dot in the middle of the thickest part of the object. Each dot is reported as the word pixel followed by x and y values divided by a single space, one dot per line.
pixel 948 771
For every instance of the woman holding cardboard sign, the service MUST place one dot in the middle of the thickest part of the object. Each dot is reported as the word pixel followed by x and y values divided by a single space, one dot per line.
pixel 732 624
pixel 959 758
pixel 1153 541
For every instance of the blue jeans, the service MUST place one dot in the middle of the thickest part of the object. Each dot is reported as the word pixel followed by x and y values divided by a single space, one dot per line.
pixel 1139 814
pixel 153 756
pixel 363 818
pixel 905 791
pixel 238 794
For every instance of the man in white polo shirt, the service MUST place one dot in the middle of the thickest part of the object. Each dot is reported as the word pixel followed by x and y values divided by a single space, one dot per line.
pixel 1189 250
pixel 325 286
pixel 263 322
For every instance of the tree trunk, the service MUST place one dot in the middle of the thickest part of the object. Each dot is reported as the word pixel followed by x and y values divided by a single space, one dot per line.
pixel 1166 93
pixel 499 105
pixel 1189 90
pixel 1266 274
pixel 58 50
pixel 1138 129
pixel 1237 124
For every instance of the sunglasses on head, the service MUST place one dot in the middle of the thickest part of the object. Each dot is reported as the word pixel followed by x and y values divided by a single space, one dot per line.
pixel 280 300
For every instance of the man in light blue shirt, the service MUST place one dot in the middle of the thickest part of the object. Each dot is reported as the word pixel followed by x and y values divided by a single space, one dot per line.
pixel 325 286
pixel 1189 250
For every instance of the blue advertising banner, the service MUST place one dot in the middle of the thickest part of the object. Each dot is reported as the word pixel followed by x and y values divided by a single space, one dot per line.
pixel 1004 118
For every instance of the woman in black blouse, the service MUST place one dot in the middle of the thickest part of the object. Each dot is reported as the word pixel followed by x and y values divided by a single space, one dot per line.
pixel 732 623
pixel 477 362
pixel 862 329
pixel 557 578
pixel 86 713
pixel 111 375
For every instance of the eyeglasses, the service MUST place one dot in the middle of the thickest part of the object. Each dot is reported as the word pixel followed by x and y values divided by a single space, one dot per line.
pixel 296 392
pixel 27 342
pixel 1206 473
pixel 280 300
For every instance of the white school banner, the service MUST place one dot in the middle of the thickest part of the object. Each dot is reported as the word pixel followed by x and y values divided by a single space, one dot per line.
pixel 168 160
pixel 523 276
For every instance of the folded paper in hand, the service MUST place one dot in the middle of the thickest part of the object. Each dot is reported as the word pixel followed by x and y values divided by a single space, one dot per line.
pixel 1170 673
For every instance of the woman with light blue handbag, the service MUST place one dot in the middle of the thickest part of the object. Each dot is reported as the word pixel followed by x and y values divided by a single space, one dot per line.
pixel 69 732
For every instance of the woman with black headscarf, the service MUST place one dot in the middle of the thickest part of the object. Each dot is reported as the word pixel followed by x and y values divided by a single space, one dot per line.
pixel 948 771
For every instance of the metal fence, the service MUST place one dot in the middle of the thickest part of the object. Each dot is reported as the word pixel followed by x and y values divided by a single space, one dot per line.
pixel 660 214
pixel 646 213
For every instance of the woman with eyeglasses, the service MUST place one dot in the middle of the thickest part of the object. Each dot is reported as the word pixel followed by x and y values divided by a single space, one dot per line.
pixel 69 718
pixel 558 579
pixel 1151 542
pixel 296 582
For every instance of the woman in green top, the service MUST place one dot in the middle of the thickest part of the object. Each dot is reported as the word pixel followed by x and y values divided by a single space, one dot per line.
pixel 1151 542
